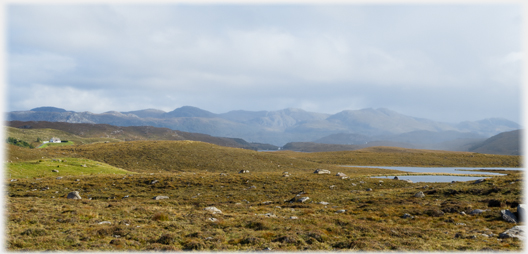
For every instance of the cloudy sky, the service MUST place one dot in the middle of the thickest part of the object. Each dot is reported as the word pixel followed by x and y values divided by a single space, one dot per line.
pixel 442 62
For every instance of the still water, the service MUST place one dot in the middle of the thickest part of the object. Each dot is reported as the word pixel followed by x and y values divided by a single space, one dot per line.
pixel 436 178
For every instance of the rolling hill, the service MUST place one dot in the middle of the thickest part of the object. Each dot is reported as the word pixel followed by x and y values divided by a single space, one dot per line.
pixel 282 126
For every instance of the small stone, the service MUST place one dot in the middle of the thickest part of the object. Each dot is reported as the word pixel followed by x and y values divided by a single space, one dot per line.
pixel 160 197
pixel 105 222
pixel 73 195
pixel 322 171
pixel 324 203
pixel 462 213
pixel 212 209
pixel 243 171
pixel 396 178
pixel 213 219
pixel 54 170
pixel 302 199
pixel 267 202
pixel 479 181
pixel 369 189
pixel 477 212
pixel 521 212
pixel 407 216
pixel 341 211
pixel 153 182
pixel 419 195
pixel 341 174
pixel 294 218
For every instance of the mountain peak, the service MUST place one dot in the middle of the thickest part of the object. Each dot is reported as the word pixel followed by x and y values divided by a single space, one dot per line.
pixel 48 109
pixel 189 111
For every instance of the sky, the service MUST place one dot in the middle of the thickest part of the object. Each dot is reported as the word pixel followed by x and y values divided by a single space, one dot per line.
pixel 444 62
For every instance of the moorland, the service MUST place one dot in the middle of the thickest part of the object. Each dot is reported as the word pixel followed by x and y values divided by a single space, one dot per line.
pixel 158 195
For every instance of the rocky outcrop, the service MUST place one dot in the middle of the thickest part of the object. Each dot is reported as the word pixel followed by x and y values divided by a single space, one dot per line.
pixel 508 216
pixel 515 232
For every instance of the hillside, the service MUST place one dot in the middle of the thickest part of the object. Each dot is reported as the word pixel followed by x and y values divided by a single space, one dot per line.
pixel 281 126
pixel 90 133
pixel 395 156
pixel 507 143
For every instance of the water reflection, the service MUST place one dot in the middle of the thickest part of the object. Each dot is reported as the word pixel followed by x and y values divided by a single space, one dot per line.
pixel 438 178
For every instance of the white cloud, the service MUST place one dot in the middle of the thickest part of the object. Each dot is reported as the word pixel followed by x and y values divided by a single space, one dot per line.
pixel 289 56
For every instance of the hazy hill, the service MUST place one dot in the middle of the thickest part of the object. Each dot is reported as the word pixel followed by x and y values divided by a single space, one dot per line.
pixel 147 113
pixel 506 143
pixel 283 126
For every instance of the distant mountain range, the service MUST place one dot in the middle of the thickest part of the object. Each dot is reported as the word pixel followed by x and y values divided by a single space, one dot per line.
pixel 349 127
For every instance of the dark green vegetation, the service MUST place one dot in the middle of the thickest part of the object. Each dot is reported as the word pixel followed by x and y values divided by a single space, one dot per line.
pixel 118 212
pixel 17 142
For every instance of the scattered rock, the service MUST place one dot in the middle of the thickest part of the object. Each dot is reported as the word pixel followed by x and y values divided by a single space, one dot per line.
pixel 302 199
pixel 243 171
pixel 73 195
pixel 508 216
pixel 105 222
pixel 322 171
pixel 212 209
pixel 521 212
pixel 353 184
pixel 269 215
pixel 340 174
pixel 153 182
pixel 323 203
pixel 407 216
pixel 462 213
pixel 407 180
pixel 213 219
pixel 332 186
pixel 223 174
pixel 369 189
pixel 517 232
pixel 419 195
pixel 267 202
pixel 477 212
pixel 396 178
pixel 479 181
pixel 160 197
pixel 460 224
pixel 54 170
pixel 83 165
pixel 341 211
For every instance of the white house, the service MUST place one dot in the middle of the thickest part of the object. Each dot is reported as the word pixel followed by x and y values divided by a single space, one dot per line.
pixel 55 140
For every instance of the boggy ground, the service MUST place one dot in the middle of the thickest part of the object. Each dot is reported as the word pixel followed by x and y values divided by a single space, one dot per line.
pixel 118 211
pixel 255 215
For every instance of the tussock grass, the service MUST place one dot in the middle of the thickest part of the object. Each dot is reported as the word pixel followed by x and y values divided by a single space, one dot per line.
pixel 118 212
pixel 394 156
pixel 64 166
